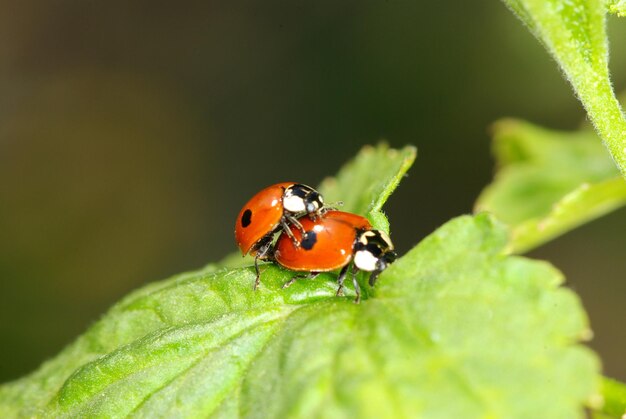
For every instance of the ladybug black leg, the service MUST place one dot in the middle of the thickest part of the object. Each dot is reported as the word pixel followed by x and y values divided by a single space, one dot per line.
pixel 381 265
pixel 294 220
pixel 257 280
pixel 340 279
pixel 310 275
pixel 262 253
pixel 373 278
pixel 357 288
pixel 287 230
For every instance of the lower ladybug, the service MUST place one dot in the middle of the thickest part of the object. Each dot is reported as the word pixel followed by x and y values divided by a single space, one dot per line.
pixel 272 209
pixel 333 242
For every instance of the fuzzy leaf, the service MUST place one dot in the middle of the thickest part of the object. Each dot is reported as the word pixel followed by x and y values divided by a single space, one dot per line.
pixel 618 7
pixel 365 183
pixel 455 329
pixel 574 33
pixel 613 398
pixel 549 182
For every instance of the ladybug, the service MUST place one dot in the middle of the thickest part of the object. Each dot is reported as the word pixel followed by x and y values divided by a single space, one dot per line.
pixel 272 209
pixel 336 241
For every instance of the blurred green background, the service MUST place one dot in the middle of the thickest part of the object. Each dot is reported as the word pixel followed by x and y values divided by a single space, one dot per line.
pixel 131 134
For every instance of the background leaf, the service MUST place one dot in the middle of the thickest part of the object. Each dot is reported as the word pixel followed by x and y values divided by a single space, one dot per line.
pixel 574 33
pixel 549 182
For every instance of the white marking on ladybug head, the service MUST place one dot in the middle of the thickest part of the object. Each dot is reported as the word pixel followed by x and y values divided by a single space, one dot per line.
pixel 365 236
pixel 365 260
pixel 293 203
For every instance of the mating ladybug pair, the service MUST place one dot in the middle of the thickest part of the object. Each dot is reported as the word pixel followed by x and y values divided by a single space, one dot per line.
pixel 313 238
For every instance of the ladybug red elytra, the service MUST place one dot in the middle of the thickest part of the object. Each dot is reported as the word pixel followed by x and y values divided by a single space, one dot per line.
pixel 276 207
pixel 335 241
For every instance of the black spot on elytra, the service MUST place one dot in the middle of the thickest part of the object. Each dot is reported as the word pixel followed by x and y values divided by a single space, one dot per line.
pixel 246 218
pixel 308 240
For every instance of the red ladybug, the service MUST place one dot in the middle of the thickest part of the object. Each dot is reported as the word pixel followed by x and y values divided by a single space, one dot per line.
pixel 275 207
pixel 335 241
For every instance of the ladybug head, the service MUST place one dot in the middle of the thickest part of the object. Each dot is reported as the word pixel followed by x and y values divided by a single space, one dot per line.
pixel 373 252
pixel 302 199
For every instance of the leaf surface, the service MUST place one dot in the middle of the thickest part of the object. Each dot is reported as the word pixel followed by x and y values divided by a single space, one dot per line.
pixel 445 323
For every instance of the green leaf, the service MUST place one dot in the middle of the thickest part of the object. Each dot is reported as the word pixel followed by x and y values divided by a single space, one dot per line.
pixel 574 33
pixel 549 182
pixel 455 329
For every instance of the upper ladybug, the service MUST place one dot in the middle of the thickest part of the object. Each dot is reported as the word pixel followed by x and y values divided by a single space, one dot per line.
pixel 273 208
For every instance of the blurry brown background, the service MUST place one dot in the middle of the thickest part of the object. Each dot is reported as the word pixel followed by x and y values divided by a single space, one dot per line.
pixel 131 134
